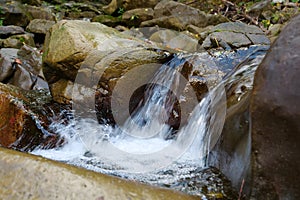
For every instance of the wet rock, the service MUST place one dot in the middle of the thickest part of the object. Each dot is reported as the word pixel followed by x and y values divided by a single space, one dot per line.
pixel 232 152
pixel 136 16
pixel 69 42
pixel 275 115
pixel 6 31
pixel 128 5
pixel 20 127
pixel 234 35
pixel 62 91
pixel 39 178
pixel 40 26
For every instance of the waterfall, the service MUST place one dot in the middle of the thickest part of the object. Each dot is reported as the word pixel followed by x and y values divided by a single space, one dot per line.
pixel 141 148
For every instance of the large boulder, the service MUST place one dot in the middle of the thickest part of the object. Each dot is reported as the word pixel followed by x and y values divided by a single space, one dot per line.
pixel 25 176
pixel 69 42
pixel 275 112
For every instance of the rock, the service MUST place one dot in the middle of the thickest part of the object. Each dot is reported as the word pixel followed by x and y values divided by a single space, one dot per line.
pixel 13 14
pixel 170 22
pixel 18 14
pixel 40 26
pixel 69 42
pixel 176 40
pixel 275 115
pixel 136 16
pixel 32 177
pixel 32 2
pixel 234 35
pixel 62 91
pixel 128 5
pixel 20 127
pixel 38 12
pixel 17 41
pixel 25 73
pixel 7 57
pixel 232 152
pixel 6 31
pixel 107 20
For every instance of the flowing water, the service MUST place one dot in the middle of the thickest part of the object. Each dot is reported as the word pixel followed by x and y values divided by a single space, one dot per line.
pixel 138 149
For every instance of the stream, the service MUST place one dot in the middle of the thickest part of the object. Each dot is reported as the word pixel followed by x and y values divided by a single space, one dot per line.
pixel 146 148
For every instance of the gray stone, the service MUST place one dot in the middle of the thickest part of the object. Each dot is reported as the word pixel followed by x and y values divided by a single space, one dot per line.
pixel 6 31
pixel 231 38
pixel 7 57
pixel 237 27
pixel 258 39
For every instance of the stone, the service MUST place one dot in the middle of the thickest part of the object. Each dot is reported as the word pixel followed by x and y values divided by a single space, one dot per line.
pixel 232 152
pixel 231 38
pixel 6 31
pixel 40 26
pixel 136 16
pixel 108 20
pixel 128 5
pixel 69 42
pixel 7 57
pixel 32 177
pixel 176 40
pixel 275 114
pixel 234 35
pixel 38 12
pixel 17 41
pixel 21 128
pixel 62 91
pixel 14 14
pixel 170 22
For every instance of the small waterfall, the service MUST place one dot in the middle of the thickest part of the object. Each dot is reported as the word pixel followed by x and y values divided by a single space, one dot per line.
pixel 138 149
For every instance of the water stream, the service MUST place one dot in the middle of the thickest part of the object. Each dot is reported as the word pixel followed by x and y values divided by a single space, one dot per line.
pixel 138 149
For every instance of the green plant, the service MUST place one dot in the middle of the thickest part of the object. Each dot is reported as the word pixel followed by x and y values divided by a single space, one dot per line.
pixel 1 21
pixel 133 17
pixel 120 11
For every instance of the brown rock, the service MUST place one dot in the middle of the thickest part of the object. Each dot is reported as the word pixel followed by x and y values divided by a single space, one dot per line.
pixel 18 125
pixel 275 114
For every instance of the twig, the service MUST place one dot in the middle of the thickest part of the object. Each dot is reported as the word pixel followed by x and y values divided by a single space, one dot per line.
pixel 238 10
pixel 241 189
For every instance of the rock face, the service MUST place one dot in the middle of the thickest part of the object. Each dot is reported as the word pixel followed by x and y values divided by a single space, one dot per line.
pixel 20 127
pixel 31 177
pixel 275 114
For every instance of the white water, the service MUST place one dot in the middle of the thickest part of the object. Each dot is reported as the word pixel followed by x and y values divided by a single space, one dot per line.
pixel 140 145
pixel 138 150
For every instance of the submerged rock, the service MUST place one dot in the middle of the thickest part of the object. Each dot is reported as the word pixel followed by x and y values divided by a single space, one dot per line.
pixel 275 112
pixel 25 176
